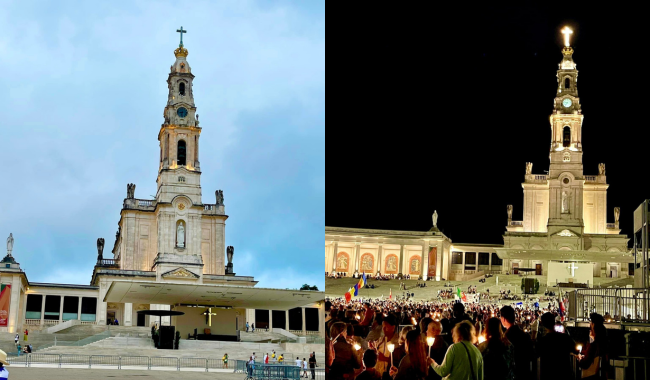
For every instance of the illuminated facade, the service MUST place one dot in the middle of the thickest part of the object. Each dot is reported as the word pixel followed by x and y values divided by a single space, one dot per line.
pixel 564 218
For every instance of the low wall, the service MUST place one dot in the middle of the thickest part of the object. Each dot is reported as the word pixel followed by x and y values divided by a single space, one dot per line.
pixel 304 347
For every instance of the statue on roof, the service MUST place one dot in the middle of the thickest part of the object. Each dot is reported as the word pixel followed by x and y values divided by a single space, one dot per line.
pixel 601 169
pixel 130 190
pixel 434 217
pixel 529 168
pixel 509 212
pixel 10 244
pixel 230 251
pixel 100 249
pixel 219 195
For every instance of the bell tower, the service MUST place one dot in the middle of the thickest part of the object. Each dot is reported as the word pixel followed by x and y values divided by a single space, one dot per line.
pixel 179 167
pixel 566 179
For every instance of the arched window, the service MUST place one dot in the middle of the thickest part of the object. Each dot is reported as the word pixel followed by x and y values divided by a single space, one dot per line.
pixel 567 83
pixel 181 88
pixel 180 157
pixel 566 136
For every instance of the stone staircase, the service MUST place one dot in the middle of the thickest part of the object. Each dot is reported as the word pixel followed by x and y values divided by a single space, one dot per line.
pixel 262 337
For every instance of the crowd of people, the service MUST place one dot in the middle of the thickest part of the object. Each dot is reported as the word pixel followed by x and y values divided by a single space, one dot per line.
pixel 417 340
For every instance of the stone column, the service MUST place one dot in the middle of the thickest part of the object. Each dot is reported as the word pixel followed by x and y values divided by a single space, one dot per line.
pixel 304 325
pixel 270 320
pixel 379 261
pixel 401 259
pixel 321 320
pixel 14 321
pixel 463 272
pixel 61 309
pixel 425 259
pixel 357 253
pixel 128 314
pixel 287 320
pixel 42 310
pixel 490 262
pixel 336 252
pixel 79 309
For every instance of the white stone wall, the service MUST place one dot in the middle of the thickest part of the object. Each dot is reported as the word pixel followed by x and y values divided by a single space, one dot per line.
pixel 595 209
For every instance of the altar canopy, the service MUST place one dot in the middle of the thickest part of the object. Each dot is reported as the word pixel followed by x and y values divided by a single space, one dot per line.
pixel 209 295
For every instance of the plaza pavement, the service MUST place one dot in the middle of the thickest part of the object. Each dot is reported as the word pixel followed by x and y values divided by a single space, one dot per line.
pixel 338 287
pixel 53 373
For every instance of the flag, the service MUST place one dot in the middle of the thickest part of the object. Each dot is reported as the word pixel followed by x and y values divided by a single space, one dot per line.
pixel 390 296
pixel 348 295
pixel 361 282
pixel 458 293
pixel 463 297
pixel 356 289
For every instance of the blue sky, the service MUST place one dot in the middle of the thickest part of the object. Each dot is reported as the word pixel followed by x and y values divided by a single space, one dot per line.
pixel 82 92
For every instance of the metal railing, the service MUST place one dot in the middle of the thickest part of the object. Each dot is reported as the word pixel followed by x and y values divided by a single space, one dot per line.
pixel 621 304
pixel 109 263
pixel 286 370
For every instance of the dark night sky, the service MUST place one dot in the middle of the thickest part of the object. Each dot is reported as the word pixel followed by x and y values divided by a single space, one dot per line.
pixel 441 109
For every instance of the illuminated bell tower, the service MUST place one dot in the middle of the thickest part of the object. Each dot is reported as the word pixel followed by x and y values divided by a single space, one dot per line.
pixel 566 179
pixel 179 168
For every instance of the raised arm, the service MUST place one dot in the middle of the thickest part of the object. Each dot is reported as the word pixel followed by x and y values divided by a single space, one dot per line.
pixel 445 368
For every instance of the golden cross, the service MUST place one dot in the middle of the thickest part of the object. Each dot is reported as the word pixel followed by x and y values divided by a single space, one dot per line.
pixel 208 316
pixel 567 32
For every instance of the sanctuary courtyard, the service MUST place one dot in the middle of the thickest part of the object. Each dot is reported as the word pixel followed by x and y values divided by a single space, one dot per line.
pixel 169 256
pixel 565 235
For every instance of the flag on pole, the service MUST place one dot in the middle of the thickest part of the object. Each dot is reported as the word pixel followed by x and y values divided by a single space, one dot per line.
pixel 348 295
pixel 362 281
pixel 356 289
pixel 390 296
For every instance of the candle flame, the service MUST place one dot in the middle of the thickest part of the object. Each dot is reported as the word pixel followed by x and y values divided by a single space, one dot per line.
pixel 357 347
pixel 391 347
pixel 481 339
pixel 430 341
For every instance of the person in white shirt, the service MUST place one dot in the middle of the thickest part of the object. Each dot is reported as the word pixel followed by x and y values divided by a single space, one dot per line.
pixel 298 362
pixel 253 357
pixel 304 368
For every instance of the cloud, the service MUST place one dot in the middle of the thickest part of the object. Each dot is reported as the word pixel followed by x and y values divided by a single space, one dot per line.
pixel 85 90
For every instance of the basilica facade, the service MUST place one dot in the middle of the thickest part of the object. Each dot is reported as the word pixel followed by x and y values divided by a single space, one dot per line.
pixel 565 223
pixel 169 253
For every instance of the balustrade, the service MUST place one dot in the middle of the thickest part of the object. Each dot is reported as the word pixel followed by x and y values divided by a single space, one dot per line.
pixel 107 263
pixel 611 226
pixel 591 178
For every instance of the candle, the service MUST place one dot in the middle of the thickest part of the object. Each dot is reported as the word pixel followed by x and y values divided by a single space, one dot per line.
pixel 430 341
pixel 413 320
pixel 580 348
pixel 481 339
pixel 391 348
pixel 357 347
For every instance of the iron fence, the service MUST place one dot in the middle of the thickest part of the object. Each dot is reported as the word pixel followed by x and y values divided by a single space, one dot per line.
pixel 620 304
pixel 286 370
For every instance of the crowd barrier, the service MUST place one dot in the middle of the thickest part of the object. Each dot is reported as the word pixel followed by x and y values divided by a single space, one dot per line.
pixel 286 370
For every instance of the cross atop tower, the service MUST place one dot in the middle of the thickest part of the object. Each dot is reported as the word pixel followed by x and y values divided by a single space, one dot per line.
pixel 181 31
pixel 566 31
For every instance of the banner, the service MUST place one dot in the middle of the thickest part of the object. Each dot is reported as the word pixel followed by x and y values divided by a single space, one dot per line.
pixel 5 301
pixel 432 262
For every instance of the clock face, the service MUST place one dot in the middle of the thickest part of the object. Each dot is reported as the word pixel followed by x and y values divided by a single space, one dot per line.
pixel 182 112
pixel 567 102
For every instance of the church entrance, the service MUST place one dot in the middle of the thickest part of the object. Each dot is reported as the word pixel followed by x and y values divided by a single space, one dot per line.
pixel 141 318
pixel 538 269
pixel 515 268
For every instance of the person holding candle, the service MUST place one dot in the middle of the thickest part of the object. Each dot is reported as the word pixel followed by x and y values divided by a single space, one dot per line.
pixel 463 360
pixel 439 347
pixel 555 350
pixel 345 359
pixel 414 365
pixel 388 336
pixel 497 351
pixel 400 349
pixel 593 359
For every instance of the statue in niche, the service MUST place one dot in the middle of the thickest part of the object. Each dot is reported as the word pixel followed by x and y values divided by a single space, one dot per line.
pixel 601 169
pixel 130 191
pixel 509 208
pixel 391 264
pixel 10 244
pixel 366 263
pixel 617 214
pixel 565 202
pixel 230 251
pixel 529 168
pixel 180 235
pixel 342 263
pixel 219 196
pixel 415 265
pixel 100 249
pixel 434 217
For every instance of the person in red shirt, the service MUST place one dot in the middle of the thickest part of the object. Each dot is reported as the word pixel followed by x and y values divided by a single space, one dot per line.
pixel 368 316
pixel 266 358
